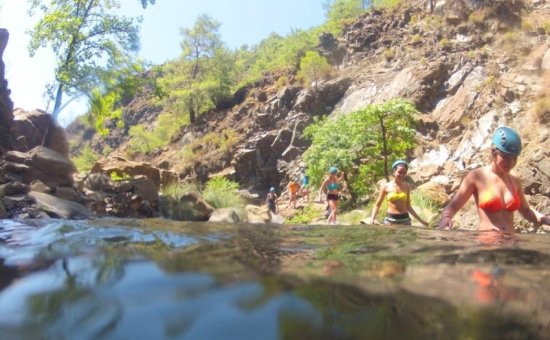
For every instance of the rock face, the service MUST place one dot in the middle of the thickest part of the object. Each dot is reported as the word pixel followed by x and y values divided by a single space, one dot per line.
pixel 6 105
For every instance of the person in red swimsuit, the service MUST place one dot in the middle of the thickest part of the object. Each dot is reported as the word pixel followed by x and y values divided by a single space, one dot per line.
pixel 497 192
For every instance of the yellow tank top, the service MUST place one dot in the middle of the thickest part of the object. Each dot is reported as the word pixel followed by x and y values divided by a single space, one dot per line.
pixel 397 196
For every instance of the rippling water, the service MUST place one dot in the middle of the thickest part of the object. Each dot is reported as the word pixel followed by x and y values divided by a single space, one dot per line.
pixel 157 279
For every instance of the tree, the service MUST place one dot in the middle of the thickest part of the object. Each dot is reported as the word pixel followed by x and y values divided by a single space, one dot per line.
pixel 200 45
pixel 313 68
pixel 361 143
pixel 87 40
pixel 144 3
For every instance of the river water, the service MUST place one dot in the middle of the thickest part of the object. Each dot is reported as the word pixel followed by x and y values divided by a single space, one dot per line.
pixel 159 279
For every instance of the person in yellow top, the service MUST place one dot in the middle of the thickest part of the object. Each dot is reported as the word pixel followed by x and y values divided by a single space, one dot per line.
pixel 398 194
pixel 293 188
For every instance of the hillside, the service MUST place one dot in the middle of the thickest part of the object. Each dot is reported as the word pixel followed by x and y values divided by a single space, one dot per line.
pixel 468 66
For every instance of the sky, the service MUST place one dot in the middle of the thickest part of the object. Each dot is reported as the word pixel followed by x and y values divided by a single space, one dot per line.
pixel 242 22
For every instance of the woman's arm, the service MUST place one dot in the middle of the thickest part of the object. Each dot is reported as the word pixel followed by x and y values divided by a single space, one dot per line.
pixel 323 189
pixel 462 195
pixel 526 211
pixel 377 204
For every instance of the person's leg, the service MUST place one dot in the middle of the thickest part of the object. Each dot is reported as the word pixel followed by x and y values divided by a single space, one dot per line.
pixel 333 206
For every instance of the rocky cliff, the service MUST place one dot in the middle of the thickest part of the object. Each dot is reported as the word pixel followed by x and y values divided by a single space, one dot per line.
pixel 467 65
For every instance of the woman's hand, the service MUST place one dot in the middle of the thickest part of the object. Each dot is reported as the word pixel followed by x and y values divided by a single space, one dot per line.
pixel 446 222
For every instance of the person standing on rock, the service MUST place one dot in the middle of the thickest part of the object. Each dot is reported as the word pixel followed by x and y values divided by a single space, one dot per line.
pixel 497 192
pixel 272 203
pixel 398 193
pixel 304 189
pixel 331 187
pixel 293 188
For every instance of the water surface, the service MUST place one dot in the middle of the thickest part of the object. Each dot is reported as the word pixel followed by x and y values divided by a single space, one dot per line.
pixel 158 279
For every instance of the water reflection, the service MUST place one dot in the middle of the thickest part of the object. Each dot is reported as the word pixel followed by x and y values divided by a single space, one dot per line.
pixel 129 279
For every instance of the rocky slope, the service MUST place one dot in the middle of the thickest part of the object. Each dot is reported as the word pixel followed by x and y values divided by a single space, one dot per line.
pixel 468 66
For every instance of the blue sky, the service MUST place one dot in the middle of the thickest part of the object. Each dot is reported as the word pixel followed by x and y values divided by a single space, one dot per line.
pixel 242 22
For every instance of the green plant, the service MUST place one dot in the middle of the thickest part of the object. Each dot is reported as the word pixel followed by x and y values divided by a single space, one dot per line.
pixel 170 204
pixel 416 39
pixel 477 17
pixel 542 109
pixel 85 159
pixel 389 54
pixel 117 177
pixel 222 193
pixel 444 43
pixel 313 68
pixel 546 26
pixel 308 214
pixel 282 81
pixel 361 143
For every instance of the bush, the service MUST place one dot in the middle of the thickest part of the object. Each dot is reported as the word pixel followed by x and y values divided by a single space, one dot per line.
pixel 222 193
pixel 305 216
pixel 86 159
pixel 542 109
pixel 170 205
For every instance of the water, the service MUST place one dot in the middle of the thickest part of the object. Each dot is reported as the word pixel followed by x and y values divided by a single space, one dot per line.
pixel 157 279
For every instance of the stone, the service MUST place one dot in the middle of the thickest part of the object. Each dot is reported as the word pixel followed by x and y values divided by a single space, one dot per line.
pixel 59 207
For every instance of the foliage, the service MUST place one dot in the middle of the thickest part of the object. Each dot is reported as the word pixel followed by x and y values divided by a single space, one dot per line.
pixel 361 143
pixel 87 39
pixel 222 193
pixel 546 26
pixel 85 159
pixel 117 177
pixel 170 204
pixel 102 109
pixel 314 68
pixel 212 141
pixel 542 109
pixel 143 141
pixel 306 216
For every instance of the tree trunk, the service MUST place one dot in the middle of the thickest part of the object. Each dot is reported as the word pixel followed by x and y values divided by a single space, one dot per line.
pixel 58 99
pixel 192 116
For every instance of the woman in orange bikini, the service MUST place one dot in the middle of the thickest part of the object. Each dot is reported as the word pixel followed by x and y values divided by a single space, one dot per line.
pixel 398 194
pixel 497 193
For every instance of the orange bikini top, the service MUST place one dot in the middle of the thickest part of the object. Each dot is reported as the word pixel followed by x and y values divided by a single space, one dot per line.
pixel 490 202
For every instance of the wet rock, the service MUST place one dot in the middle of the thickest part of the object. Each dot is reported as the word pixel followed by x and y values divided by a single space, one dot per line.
pixel 60 208
pixel 226 215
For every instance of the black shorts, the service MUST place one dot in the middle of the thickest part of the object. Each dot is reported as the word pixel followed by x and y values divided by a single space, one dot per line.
pixel 332 197
pixel 403 219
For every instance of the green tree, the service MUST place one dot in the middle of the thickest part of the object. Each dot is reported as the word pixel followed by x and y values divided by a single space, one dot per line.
pixel 87 39
pixel 314 68
pixel 144 3
pixel 362 143
pixel 199 46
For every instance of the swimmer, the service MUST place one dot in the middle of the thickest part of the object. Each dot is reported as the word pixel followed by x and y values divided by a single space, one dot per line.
pixel 497 192
pixel 397 193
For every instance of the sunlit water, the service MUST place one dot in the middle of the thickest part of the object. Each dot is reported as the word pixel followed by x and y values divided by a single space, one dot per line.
pixel 156 279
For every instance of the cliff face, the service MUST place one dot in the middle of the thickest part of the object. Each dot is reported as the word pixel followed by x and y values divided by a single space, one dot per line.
pixel 468 66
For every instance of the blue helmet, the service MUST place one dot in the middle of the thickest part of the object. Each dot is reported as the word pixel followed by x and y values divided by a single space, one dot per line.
pixel 333 170
pixel 507 140
pixel 399 162
pixel 272 189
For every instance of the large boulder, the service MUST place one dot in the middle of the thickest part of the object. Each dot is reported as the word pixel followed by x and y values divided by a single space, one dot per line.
pixel 47 165
pixel 123 167
pixel 60 208
pixel 38 128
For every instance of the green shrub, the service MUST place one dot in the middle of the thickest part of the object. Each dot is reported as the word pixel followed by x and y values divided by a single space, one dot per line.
pixel 86 159
pixel 542 109
pixel 170 205
pixel 222 193
pixel 306 216
pixel 546 26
